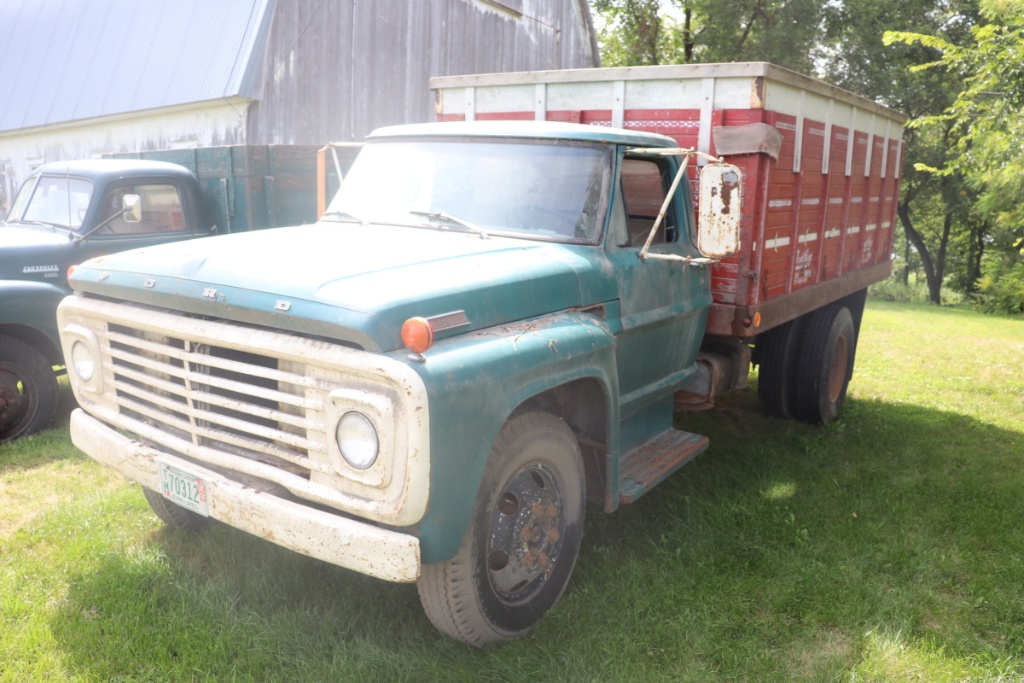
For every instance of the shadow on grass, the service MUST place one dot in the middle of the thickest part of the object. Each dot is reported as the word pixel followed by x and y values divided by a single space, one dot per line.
pixel 773 556
pixel 223 605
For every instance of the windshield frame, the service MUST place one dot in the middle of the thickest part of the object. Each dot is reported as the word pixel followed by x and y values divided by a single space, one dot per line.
pixel 23 201
pixel 605 159
pixel 23 195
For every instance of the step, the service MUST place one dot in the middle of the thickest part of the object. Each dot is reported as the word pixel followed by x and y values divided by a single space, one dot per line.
pixel 649 465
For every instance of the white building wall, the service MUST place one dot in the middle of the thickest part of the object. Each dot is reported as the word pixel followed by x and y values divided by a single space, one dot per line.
pixel 204 124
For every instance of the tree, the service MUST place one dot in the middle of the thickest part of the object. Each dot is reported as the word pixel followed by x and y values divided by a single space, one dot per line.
pixel 633 32
pixel 933 211
pixel 640 32
pixel 984 125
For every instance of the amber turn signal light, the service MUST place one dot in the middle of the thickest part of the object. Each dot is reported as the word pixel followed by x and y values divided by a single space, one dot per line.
pixel 417 334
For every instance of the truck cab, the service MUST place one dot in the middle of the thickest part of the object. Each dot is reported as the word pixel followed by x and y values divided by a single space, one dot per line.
pixel 64 214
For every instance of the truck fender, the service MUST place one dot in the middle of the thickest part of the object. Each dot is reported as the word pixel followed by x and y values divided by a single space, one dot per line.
pixel 29 314
pixel 478 381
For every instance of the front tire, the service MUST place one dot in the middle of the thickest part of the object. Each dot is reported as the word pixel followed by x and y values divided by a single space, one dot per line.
pixel 173 515
pixel 28 390
pixel 524 535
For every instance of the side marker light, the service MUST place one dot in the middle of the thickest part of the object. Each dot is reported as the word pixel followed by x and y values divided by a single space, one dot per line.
pixel 417 334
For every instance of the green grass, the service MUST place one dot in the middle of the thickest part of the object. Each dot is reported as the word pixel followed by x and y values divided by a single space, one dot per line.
pixel 885 547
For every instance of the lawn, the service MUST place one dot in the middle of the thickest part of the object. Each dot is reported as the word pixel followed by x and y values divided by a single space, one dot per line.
pixel 884 547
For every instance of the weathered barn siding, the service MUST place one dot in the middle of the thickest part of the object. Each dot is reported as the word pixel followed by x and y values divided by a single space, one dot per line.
pixel 337 69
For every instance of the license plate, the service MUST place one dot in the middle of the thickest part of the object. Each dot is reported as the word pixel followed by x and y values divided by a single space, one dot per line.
pixel 184 488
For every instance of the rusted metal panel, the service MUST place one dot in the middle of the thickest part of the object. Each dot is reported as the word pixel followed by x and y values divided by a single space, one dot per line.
pixel 740 321
pixel 652 463
pixel 719 211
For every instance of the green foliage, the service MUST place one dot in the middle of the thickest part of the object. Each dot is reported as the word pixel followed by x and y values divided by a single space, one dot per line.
pixel 1001 289
pixel 632 34
pixel 985 133
pixel 642 32
pixel 895 290
pixel 784 32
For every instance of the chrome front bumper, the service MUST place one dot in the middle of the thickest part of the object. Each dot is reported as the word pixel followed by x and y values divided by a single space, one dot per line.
pixel 339 540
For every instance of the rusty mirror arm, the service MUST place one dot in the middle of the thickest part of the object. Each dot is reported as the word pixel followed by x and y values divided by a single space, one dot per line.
pixel 719 215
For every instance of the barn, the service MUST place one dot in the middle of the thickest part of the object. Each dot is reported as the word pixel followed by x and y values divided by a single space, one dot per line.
pixel 82 78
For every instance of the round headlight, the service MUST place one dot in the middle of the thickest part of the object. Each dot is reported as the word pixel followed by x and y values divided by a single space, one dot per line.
pixel 82 361
pixel 357 440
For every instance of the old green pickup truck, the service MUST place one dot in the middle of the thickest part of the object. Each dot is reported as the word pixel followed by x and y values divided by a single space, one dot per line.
pixel 489 327
pixel 70 212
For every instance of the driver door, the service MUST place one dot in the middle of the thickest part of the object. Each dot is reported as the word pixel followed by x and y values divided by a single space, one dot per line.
pixel 663 304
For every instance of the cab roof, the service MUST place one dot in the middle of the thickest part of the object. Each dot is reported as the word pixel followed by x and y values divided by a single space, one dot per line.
pixel 527 129
pixel 112 169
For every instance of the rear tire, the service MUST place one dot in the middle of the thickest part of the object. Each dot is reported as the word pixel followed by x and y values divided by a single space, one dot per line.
pixel 826 365
pixel 28 390
pixel 521 546
pixel 173 515
pixel 776 357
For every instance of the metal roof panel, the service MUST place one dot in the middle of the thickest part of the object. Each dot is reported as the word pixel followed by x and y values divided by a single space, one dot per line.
pixel 67 60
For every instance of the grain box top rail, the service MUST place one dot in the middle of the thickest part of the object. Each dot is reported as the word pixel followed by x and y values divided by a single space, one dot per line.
pixel 753 79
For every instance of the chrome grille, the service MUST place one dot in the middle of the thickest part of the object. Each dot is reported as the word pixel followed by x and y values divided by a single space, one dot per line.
pixel 247 404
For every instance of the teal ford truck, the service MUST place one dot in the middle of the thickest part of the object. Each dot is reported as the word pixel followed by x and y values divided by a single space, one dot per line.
pixel 70 212
pixel 493 322
pixel 484 331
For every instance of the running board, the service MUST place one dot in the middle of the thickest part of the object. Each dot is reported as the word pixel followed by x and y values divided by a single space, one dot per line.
pixel 650 464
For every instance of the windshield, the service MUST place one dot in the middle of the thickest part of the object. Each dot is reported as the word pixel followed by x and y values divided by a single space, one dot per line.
pixel 59 201
pixel 536 188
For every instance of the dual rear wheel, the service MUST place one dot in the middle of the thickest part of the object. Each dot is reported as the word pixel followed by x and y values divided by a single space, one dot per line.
pixel 806 365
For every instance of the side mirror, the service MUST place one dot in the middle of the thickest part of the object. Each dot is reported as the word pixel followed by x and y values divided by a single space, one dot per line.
pixel 719 220
pixel 131 208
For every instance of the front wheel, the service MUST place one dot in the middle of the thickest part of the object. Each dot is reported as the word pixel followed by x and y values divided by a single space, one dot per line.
pixel 173 514
pixel 520 549
pixel 28 389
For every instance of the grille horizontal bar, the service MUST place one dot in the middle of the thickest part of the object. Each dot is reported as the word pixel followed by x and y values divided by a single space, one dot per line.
pixel 245 403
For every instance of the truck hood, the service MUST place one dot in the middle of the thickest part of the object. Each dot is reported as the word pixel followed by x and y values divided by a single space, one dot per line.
pixel 352 283
pixel 32 253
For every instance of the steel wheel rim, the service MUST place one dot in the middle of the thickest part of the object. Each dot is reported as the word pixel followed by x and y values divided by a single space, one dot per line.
pixel 13 399
pixel 526 534
pixel 837 369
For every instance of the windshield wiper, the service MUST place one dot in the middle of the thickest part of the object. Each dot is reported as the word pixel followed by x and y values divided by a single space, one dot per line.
pixel 448 218
pixel 45 224
pixel 345 217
